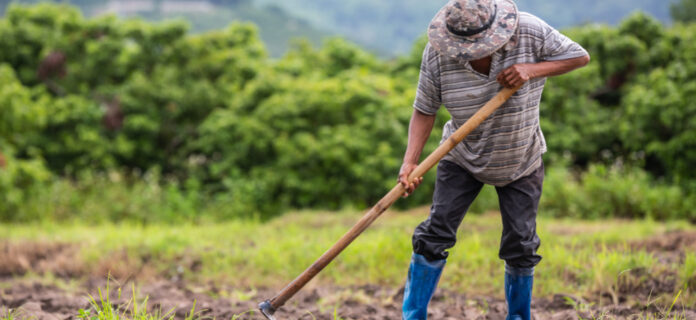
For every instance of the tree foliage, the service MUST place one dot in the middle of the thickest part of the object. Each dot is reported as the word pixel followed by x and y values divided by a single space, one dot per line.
pixel 321 128
pixel 684 11
pixel 635 100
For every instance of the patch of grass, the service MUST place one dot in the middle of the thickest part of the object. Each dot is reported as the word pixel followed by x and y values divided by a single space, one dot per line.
pixel 688 271
pixel 580 257
pixel 11 315
pixel 102 308
pixel 598 193
pixel 669 312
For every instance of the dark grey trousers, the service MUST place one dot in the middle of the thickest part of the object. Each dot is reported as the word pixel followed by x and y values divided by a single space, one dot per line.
pixel 456 189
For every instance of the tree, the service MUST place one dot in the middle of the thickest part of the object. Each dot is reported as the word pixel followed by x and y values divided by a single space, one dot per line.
pixel 684 11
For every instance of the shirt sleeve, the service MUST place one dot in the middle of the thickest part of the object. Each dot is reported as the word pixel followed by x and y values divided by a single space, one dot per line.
pixel 556 46
pixel 428 98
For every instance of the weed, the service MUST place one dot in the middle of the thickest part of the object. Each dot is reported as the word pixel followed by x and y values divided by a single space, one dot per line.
pixel 578 305
pixel 688 271
pixel 667 313
pixel 335 314
pixel 239 316
pixel 102 308
pixel 11 315
pixel 244 295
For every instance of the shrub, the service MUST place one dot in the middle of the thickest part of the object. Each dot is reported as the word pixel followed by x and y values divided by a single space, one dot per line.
pixel 319 128
pixel 613 192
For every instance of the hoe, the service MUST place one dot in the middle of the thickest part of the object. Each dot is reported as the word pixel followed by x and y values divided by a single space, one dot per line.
pixel 269 307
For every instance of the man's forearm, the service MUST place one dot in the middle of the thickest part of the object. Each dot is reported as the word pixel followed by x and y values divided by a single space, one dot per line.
pixel 518 74
pixel 557 68
pixel 418 133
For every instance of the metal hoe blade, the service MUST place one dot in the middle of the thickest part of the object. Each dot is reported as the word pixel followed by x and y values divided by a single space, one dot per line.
pixel 267 310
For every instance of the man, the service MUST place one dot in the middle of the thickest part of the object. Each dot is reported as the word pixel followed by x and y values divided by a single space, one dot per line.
pixel 475 47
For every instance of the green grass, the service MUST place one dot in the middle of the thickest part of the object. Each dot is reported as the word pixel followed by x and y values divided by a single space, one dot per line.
pixel 101 308
pixel 13 315
pixel 252 254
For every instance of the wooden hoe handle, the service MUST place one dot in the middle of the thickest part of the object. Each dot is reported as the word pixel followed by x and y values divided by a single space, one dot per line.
pixel 269 307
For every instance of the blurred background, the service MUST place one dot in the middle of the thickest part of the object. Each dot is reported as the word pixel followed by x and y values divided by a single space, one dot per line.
pixel 387 28
pixel 170 122
pixel 261 107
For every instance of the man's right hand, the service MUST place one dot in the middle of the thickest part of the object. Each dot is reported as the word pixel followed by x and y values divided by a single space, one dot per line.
pixel 405 171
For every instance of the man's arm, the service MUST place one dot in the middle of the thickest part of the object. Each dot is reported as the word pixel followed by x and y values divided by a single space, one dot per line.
pixel 520 73
pixel 418 133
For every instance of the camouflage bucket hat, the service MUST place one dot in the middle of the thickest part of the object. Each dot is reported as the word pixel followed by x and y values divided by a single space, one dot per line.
pixel 473 29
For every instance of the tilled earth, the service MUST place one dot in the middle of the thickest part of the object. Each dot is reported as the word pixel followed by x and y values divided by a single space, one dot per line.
pixel 25 298
pixel 38 301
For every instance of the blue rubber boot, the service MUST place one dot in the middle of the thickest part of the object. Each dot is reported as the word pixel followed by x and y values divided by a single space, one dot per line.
pixel 423 276
pixel 518 292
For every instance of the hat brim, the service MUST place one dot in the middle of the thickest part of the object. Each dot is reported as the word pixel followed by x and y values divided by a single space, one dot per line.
pixel 480 45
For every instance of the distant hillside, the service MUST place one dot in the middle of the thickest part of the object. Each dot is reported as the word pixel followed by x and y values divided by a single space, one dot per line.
pixel 277 27
pixel 388 27
pixel 392 25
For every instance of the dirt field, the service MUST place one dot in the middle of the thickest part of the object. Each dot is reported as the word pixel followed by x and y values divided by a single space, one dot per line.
pixel 63 297
pixel 37 301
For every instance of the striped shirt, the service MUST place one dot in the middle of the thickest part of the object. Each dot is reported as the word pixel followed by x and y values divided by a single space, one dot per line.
pixel 509 144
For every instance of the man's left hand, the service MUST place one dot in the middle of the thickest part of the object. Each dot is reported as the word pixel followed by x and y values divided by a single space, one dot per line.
pixel 516 75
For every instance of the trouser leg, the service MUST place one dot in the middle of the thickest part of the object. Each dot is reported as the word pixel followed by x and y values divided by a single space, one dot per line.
pixel 455 190
pixel 519 202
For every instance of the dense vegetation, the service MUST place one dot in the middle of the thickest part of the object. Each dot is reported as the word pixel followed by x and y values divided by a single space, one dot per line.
pixel 106 119
pixel 684 10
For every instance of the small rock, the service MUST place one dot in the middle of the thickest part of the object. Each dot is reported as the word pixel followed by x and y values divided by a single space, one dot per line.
pixel 32 310
pixel 565 315
pixel 31 306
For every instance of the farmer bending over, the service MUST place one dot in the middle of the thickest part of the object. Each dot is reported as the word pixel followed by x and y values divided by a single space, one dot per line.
pixel 475 46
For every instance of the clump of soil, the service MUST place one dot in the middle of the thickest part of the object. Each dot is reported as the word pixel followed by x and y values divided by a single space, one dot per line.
pixel 37 301
pixel 64 261
pixel 669 247
pixel 57 258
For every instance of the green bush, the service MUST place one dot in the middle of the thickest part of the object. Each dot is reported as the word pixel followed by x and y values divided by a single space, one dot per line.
pixel 30 195
pixel 613 192
pixel 603 192
pixel 659 120
pixel 684 10
pixel 113 197
pixel 219 121
pixel 20 179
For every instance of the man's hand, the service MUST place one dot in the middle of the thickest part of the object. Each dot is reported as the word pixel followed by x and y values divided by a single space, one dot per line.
pixel 516 75
pixel 406 170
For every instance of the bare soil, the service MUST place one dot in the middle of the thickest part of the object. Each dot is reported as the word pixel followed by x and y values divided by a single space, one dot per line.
pixel 29 298
pixel 669 247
